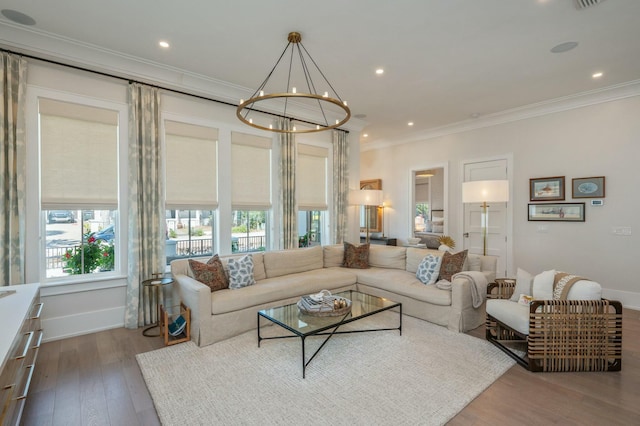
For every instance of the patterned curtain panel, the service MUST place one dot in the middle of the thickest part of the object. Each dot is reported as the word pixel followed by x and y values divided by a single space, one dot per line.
pixel 288 207
pixel 340 185
pixel 13 76
pixel 146 205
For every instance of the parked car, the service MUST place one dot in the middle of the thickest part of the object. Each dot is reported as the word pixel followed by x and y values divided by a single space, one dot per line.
pixel 107 234
pixel 56 216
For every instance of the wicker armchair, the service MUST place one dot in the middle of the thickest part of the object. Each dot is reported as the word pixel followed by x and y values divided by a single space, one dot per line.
pixel 564 335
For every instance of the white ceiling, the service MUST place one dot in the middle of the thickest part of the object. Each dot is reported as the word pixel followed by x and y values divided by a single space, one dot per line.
pixel 445 61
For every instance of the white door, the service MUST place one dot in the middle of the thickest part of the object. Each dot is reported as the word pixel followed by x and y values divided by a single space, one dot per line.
pixel 496 212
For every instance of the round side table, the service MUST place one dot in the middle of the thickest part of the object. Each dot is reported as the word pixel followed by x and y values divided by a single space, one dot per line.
pixel 155 299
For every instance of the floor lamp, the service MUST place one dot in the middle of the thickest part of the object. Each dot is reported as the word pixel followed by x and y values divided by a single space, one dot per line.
pixel 485 191
pixel 367 198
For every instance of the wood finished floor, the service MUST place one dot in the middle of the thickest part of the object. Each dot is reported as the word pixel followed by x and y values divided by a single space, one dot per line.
pixel 95 380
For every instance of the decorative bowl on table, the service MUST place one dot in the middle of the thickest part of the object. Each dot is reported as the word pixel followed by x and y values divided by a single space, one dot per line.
pixel 413 241
pixel 324 304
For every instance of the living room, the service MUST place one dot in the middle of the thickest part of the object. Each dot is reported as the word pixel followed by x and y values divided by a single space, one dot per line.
pixel 574 134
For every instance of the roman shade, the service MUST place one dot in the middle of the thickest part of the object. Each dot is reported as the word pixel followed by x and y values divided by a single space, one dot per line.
pixel 79 156
pixel 312 177
pixel 250 172
pixel 191 166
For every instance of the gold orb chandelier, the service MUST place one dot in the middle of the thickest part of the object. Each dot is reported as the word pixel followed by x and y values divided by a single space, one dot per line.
pixel 328 103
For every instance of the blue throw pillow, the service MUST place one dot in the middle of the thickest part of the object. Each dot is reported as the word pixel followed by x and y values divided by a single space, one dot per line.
pixel 429 269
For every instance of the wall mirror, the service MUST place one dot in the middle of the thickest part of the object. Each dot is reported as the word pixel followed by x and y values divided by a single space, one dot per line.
pixel 373 213
pixel 429 204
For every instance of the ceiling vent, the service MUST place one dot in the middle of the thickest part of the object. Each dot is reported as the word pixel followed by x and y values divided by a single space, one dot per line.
pixel 582 4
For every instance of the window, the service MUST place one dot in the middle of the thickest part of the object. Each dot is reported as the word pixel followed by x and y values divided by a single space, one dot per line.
pixel 248 232
pixel 250 192
pixel 191 176
pixel 189 233
pixel 79 187
pixel 310 228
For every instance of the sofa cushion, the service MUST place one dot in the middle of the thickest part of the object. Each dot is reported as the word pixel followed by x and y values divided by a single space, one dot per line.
pixel 356 256
pixel 585 290
pixel 403 283
pixel 542 287
pixel 211 273
pixel 429 269
pixel 523 285
pixel 241 272
pixel 415 256
pixel 285 262
pixel 513 314
pixel 281 288
pixel 473 262
pixel 388 257
pixel 452 264
pixel 333 255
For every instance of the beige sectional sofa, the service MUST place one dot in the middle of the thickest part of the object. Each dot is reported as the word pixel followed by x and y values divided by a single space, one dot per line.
pixel 284 276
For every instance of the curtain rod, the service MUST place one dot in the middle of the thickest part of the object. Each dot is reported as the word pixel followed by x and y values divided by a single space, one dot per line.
pixel 130 80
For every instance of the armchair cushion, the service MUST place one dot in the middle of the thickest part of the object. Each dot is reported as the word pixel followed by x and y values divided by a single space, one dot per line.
pixel 512 314
pixel 542 287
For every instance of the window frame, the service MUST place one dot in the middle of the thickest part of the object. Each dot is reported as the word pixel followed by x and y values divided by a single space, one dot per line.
pixel 37 252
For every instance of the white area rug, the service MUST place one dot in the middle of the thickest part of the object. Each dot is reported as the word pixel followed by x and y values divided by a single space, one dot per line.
pixel 426 376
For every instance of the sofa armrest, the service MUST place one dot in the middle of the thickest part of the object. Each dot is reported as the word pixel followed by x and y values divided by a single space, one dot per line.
pixel 197 297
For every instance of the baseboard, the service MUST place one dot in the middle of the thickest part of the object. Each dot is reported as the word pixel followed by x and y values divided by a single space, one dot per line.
pixel 82 323
pixel 629 299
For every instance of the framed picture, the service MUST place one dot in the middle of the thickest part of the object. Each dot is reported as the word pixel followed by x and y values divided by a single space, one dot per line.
pixel 591 187
pixel 546 189
pixel 559 212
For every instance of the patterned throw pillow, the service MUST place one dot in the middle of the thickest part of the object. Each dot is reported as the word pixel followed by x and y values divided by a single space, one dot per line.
pixel 210 273
pixel 241 272
pixel 356 257
pixel 452 264
pixel 429 269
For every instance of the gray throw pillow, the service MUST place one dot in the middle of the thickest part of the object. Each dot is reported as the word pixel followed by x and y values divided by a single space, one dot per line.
pixel 241 272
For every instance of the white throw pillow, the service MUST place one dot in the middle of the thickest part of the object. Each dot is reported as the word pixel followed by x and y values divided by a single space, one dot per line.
pixel 429 269
pixel 241 272
pixel 542 287
pixel 523 285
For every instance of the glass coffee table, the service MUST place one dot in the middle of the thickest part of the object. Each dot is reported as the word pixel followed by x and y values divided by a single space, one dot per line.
pixel 302 325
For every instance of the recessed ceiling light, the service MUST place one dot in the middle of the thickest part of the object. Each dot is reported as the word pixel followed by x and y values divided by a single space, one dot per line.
pixel 360 116
pixel 564 47
pixel 18 17
pixel 379 71
pixel 366 135
pixel 597 75
pixel 410 123
pixel 475 115
pixel 164 44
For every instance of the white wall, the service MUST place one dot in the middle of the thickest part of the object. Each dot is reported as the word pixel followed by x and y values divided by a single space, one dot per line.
pixel 595 140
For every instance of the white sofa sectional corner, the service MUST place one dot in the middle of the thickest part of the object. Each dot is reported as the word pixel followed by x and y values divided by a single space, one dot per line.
pixel 284 276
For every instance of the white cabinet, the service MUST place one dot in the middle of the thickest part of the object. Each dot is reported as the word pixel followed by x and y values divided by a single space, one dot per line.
pixel 19 343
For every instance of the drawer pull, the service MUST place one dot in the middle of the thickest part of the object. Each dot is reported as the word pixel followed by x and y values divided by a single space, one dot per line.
pixel 40 306
pixel 37 345
pixel 27 346
pixel 27 383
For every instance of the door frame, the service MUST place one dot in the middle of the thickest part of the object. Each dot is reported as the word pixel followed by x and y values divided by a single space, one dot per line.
pixel 509 264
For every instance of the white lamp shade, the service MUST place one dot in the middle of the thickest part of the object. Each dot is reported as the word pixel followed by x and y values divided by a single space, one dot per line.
pixel 366 197
pixel 480 191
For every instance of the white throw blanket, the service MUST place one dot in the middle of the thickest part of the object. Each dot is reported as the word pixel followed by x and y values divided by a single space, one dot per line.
pixel 478 285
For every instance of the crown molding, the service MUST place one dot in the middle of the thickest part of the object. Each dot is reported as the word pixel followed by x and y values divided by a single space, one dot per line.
pixel 552 106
